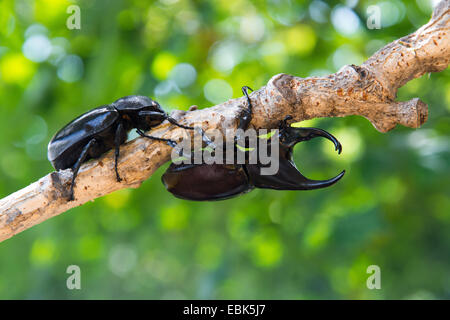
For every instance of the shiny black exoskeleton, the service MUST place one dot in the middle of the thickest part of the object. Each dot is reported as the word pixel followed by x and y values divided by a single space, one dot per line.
pixel 105 128
pixel 202 182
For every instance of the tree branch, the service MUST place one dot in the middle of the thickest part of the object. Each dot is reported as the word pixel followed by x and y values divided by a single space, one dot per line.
pixel 368 90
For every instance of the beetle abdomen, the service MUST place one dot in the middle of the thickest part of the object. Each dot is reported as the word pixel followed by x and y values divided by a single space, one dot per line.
pixel 206 181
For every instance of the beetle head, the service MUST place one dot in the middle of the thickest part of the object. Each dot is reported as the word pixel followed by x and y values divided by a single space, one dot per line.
pixel 140 112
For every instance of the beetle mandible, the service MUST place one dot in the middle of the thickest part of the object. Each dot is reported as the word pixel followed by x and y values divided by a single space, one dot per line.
pixel 203 182
pixel 105 128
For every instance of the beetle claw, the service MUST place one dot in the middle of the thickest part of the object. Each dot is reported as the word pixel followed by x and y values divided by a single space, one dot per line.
pixel 288 177
pixel 317 184
pixel 295 135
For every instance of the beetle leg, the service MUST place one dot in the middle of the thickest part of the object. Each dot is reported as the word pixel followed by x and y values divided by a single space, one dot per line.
pixel 170 142
pixel 152 114
pixel 175 122
pixel 284 123
pixel 205 138
pixel 246 115
pixel 77 165
pixel 117 141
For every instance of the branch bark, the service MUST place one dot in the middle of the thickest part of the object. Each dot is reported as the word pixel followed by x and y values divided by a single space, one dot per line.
pixel 368 90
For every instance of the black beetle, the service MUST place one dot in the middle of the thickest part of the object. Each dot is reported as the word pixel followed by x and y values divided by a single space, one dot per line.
pixel 203 182
pixel 105 128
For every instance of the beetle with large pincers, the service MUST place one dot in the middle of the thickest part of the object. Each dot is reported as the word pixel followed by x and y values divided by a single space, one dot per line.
pixel 219 181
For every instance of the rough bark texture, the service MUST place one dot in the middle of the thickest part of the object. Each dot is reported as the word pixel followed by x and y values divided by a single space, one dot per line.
pixel 368 90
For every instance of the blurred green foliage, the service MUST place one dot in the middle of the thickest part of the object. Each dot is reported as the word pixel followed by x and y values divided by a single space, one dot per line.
pixel 392 208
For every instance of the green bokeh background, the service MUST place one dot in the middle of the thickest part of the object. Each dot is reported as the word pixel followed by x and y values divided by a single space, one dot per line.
pixel 392 208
